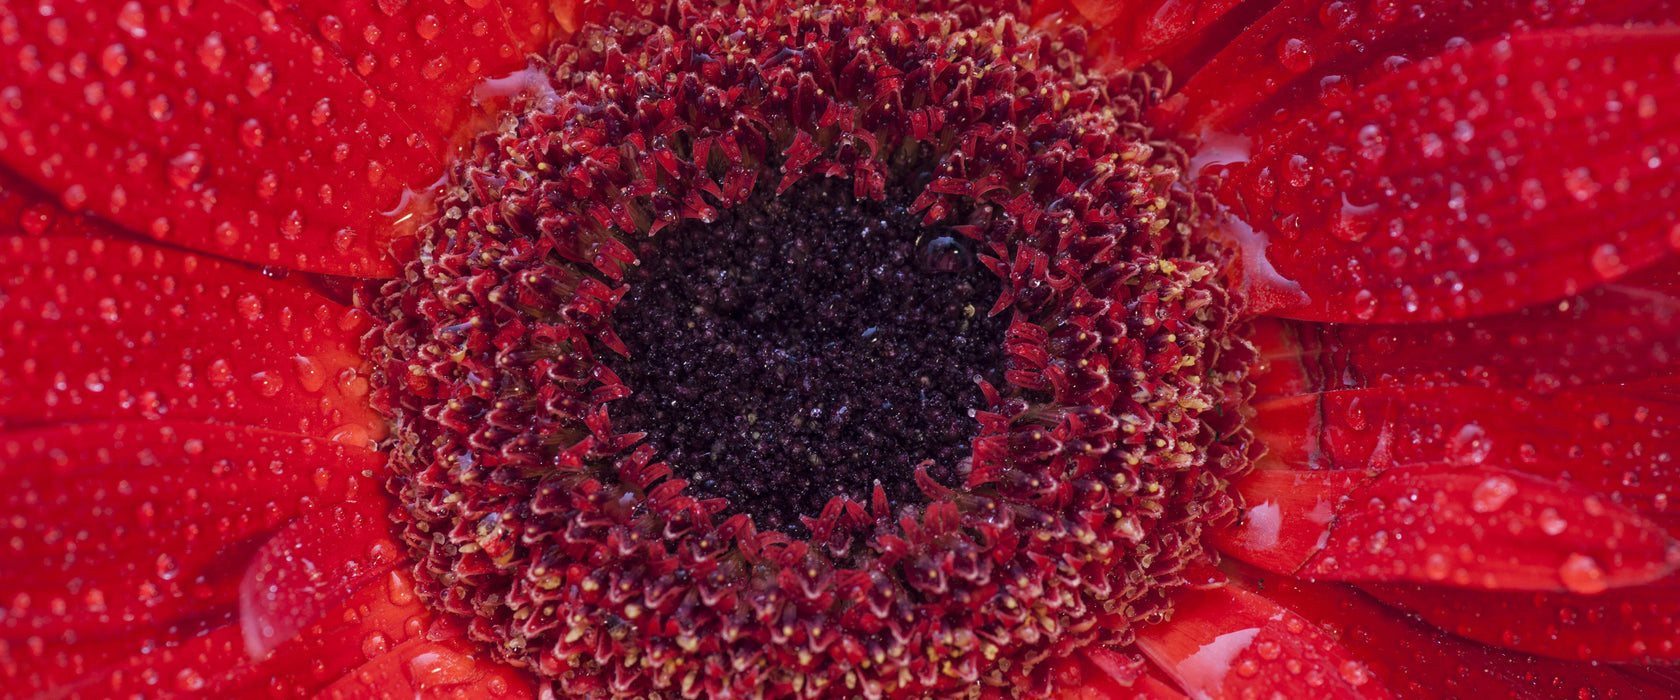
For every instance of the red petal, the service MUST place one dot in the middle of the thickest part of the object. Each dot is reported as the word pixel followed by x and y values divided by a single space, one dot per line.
pixel 213 662
pixel 426 670
pixel 1136 33
pixel 1422 662
pixel 1626 625
pixel 310 567
pixel 1103 674
pixel 1615 333
pixel 1603 442
pixel 425 57
pixel 213 126
pixel 1485 180
pixel 1473 527
pixel 119 526
pixel 99 329
pixel 1303 51
pixel 1228 642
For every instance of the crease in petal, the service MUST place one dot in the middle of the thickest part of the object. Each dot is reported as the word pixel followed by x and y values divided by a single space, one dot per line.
pixel 1308 51
pixel 208 658
pixel 426 669
pixel 1420 661
pixel 1513 172
pixel 1230 642
pixel 1599 439
pixel 311 566
pixel 97 329
pixel 1637 625
pixel 1613 334
pixel 213 126
pixel 1464 526
pixel 120 527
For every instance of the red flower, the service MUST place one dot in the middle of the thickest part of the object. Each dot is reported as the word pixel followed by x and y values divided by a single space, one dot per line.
pixel 1423 254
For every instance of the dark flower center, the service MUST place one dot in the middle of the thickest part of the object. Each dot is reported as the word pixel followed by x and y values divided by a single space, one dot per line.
pixel 807 346
pixel 860 349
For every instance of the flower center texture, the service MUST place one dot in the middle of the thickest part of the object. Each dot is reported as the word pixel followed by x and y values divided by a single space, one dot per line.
pixel 807 346
pixel 846 350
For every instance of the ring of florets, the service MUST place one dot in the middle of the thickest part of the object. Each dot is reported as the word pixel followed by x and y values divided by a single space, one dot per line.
pixel 570 549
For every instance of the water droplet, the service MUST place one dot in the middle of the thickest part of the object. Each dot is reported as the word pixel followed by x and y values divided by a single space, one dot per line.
pixel 259 79
pixel 1492 494
pixel 267 384
pixel 1607 262
pixel 321 112
pixel 189 680
pixel 1551 523
pixel 211 52
pixel 1364 305
pixel 132 19
pixel 375 645
pixel 251 134
pixel 310 373
pixel 945 254
pixel 185 169
pixel 113 59
pixel 1582 574
pixel 1296 54
pixel 167 569
pixel 249 306
pixel 428 27
pixel 1469 446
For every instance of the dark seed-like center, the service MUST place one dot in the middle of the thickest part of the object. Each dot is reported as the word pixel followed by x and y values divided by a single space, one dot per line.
pixel 807 346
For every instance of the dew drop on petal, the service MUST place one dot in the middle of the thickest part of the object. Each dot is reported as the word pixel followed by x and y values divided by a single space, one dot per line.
pixel 267 384
pixel 259 79
pixel 1296 54
pixel 249 306
pixel 1607 261
pixel 1469 446
pixel 428 27
pixel 185 169
pixel 1582 574
pixel 1491 494
pixel 310 373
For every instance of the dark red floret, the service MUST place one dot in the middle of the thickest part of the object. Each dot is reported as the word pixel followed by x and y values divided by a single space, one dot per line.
pixel 553 512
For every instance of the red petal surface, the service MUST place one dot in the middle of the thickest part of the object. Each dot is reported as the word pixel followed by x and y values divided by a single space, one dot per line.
pixel 1472 527
pixel 1626 625
pixel 1418 661
pixel 431 670
pixel 117 526
pixel 1617 445
pixel 1304 51
pixel 1103 674
pixel 310 567
pixel 1485 180
pixel 212 661
pixel 1228 642
pixel 1615 333
pixel 210 125
pixel 97 329
pixel 425 56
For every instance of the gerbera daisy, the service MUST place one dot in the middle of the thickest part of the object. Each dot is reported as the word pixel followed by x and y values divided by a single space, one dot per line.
pixel 839 349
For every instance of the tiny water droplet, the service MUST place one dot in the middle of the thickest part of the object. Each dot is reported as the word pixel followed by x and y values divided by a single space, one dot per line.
pixel 267 384
pixel 185 169
pixel 1607 261
pixel 1582 574
pixel 945 254
pixel 1469 446
pixel 1492 494
pixel 1296 54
